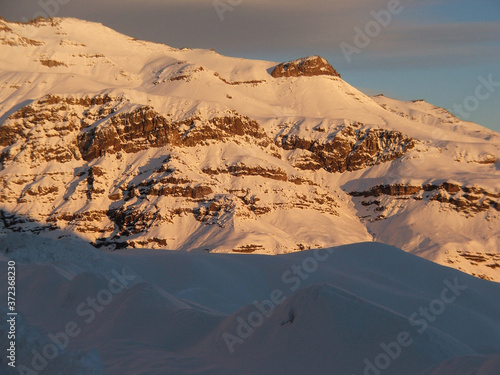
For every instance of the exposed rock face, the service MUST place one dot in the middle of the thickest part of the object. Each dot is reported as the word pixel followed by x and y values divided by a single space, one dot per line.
pixel 48 130
pixel 118 210
pixel 65 129
pixel 52 63
pixel 9 38
pixel 349 149
pixel 404 206
pixel 490 260
pixel 307 66
pixel 470 200
pixel 145 128
pixel 243 170
pixel 145 202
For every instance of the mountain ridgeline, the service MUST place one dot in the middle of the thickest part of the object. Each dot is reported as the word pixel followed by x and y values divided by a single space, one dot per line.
pixel 129 143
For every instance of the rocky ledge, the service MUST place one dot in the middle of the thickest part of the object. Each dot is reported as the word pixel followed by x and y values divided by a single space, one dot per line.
pixel 467 199
pixel 67 129
pixel 307 66
pixel 352 148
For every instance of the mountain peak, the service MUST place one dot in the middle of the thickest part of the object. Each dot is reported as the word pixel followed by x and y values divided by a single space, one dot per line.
pixel 136 144
pixel 306 66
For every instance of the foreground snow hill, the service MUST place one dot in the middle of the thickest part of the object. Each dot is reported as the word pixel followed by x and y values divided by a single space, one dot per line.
pixel 357 309
pixel 135 144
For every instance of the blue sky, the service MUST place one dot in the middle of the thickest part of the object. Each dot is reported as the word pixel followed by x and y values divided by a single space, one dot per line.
pixel 438 50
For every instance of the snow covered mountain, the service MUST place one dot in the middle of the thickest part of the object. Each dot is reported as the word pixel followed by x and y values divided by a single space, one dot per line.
pixel 128 143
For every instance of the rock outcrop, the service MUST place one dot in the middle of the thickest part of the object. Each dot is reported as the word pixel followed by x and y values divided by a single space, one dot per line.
pixel 65 129
pixel 352 148
pixel 466 199
pixel 307 67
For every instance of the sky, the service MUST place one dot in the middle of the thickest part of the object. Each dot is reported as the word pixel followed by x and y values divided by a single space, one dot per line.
pixel 444 51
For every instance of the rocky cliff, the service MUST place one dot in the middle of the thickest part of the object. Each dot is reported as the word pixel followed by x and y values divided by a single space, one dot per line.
pixel 307 67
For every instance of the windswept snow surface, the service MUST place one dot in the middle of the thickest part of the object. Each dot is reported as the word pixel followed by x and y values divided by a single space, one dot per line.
pixel 360 309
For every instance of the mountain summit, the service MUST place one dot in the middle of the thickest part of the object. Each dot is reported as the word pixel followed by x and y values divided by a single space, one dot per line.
pixel 128 143
pixel 307 66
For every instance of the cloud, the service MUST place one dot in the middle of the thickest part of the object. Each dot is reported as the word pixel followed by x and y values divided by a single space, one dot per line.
pixel 445 43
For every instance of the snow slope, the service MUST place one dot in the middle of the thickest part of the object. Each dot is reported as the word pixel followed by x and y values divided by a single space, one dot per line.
pixel 129 143
pixel 165 312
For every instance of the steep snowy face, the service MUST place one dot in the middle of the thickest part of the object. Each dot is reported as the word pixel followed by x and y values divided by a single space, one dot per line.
pixel 131 143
